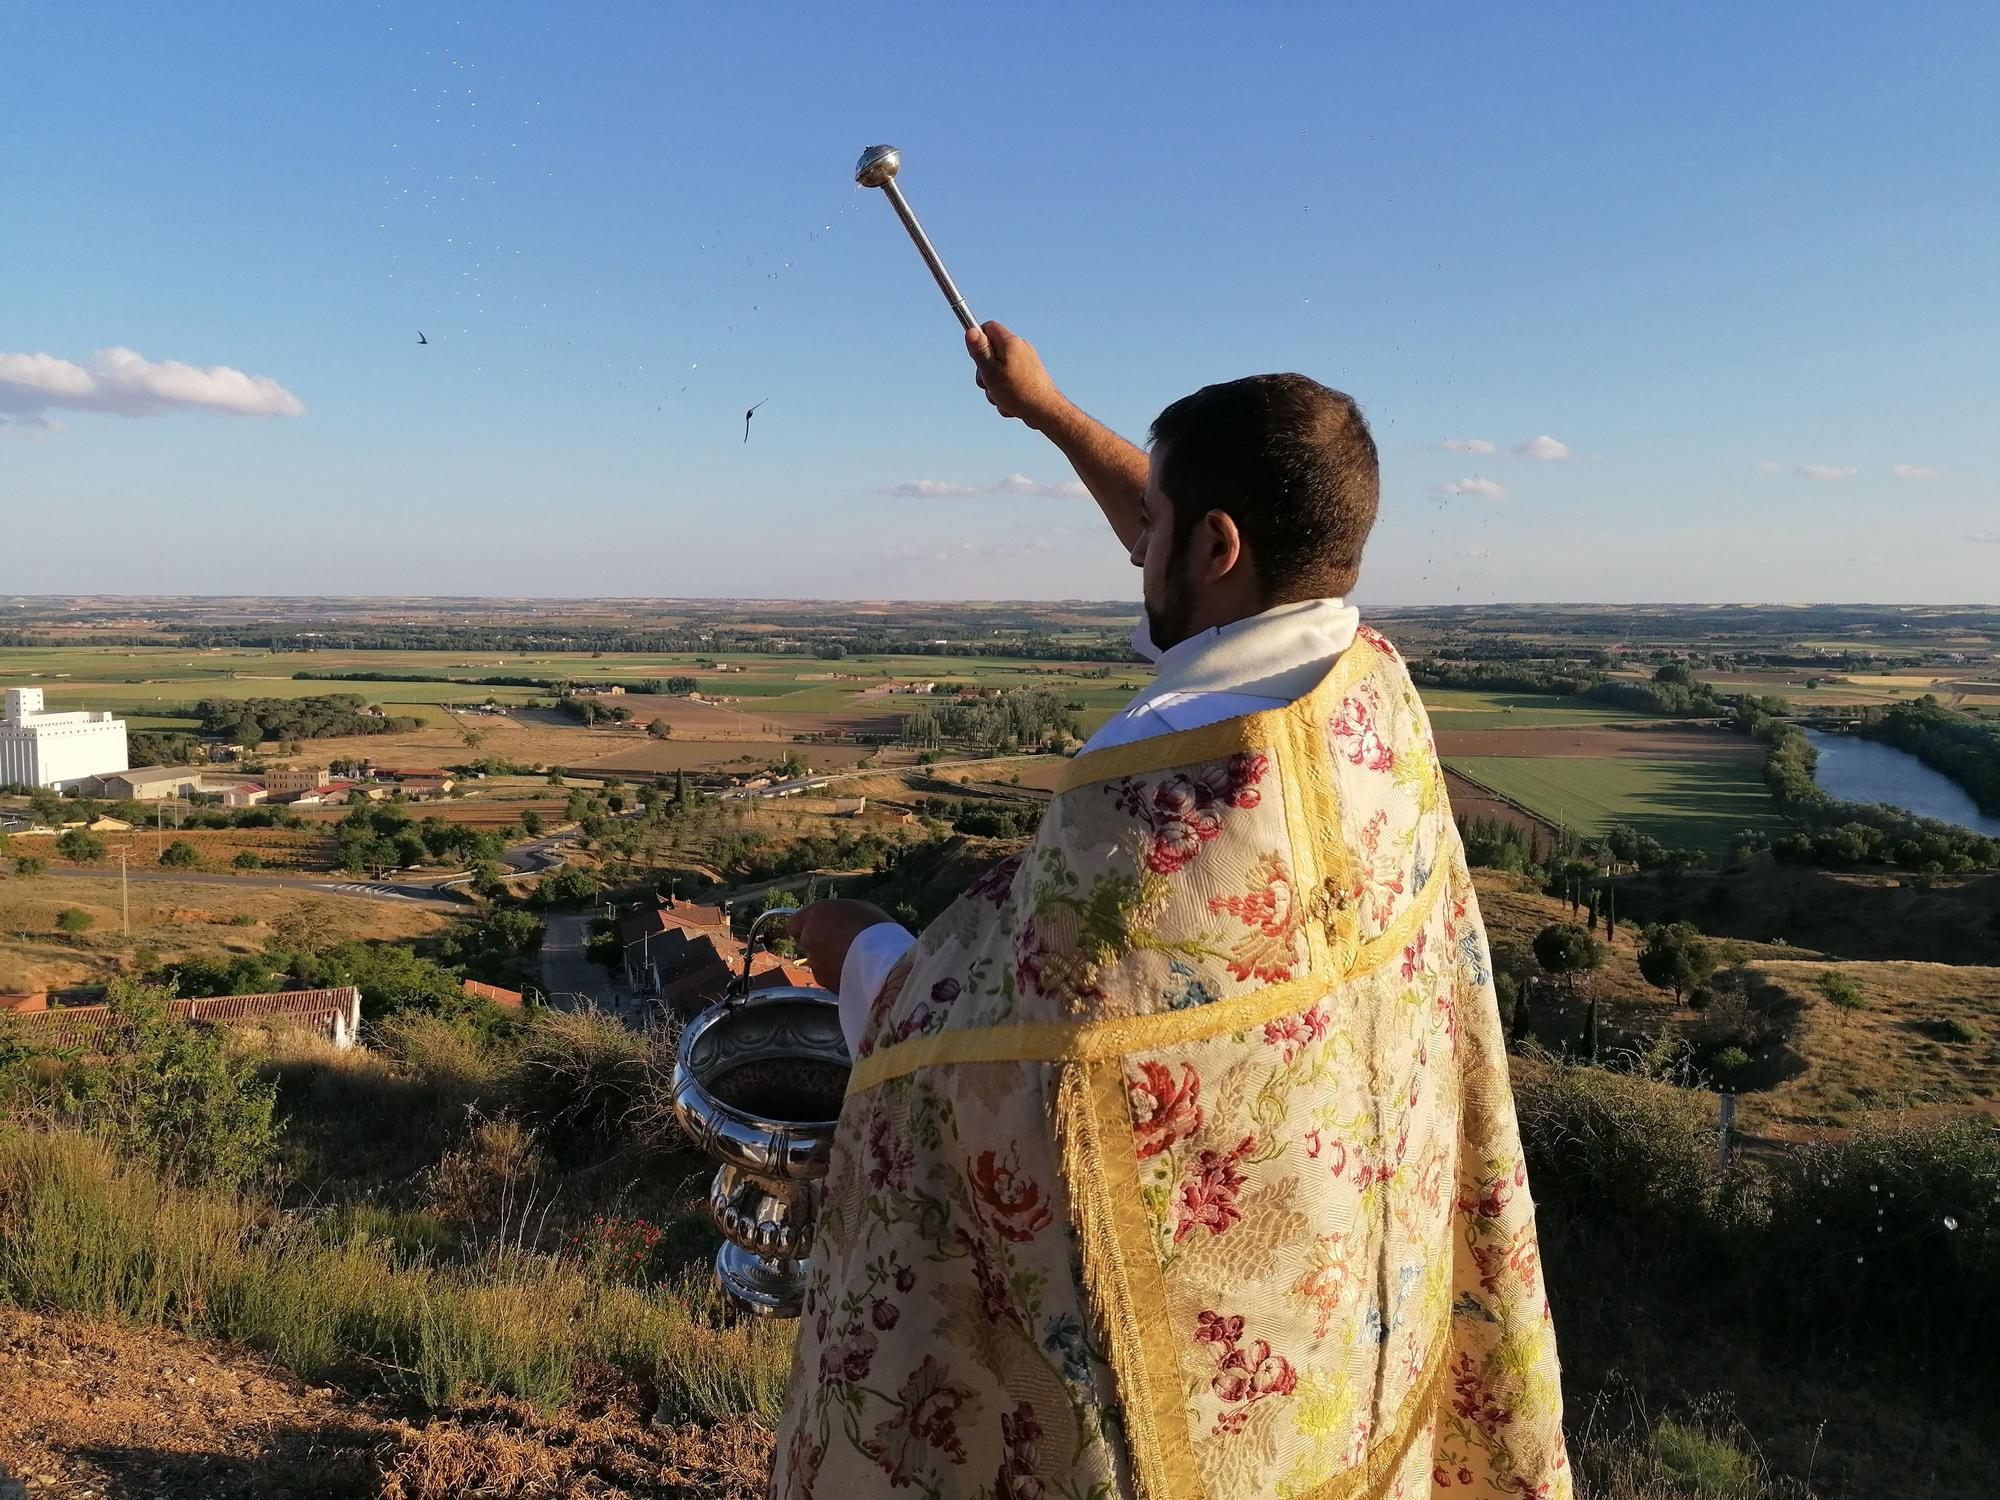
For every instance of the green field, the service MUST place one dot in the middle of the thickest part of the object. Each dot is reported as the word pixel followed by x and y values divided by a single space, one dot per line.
pixel 1466 708
pixel 146 684
pixel 1699 802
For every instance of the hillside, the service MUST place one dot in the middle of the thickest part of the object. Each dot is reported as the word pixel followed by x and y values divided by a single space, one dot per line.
pixel 92 1407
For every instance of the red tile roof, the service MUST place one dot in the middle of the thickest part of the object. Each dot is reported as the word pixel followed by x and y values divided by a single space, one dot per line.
pixel 509 998
pixel 70 1026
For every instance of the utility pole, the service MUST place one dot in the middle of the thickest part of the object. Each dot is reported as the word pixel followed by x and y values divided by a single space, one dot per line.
pixel 125 892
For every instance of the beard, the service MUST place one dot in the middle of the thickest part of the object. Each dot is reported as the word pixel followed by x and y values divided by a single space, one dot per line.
pixel 1171 620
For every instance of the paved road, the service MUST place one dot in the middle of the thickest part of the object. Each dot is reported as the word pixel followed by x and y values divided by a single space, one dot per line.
pixel 569 978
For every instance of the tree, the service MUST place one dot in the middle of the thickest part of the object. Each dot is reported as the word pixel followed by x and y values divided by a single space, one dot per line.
pixel 74 921
pixel 80 845
pixel 180 855
pixel 570 884
pixel 660 729
pixel 1565 949
pixel 531 823
pixel 683 792
pixel 1675 957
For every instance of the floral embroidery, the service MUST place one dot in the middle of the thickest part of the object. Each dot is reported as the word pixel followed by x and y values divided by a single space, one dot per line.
pixel 928 1408
pixel 1270 910
pixel 1011 1206
pixel 1163 1112
pixel 1520 1254
pixel 1208 1195
pixel 996 1298
pixel 1379 879
pixel 1186 991
pixel 1019 1434
pixel 1245 1373
pixel 1183 811
pixel 1326 1282
pixel 1064 1338
pixel 1357 732
pixel 1471 1399
pixel 1292 1034
pixel 1413 958
pixel 889 1159
pixel 997 883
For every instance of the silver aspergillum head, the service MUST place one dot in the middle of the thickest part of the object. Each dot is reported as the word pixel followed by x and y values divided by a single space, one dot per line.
pixel 877 166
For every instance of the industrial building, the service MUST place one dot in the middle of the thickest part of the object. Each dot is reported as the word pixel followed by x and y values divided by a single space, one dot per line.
pixel 39 748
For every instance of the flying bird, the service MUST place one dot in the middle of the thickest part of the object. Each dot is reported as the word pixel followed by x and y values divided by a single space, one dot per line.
pixel 746 419
pixel 420 337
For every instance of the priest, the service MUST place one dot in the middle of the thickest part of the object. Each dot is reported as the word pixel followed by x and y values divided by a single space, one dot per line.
pixel 1179 1157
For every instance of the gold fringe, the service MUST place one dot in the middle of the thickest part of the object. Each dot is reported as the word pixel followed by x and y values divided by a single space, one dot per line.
pixel 1086 1041
pixel 1122 1280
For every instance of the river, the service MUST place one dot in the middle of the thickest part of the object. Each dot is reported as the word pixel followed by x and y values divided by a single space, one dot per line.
pixel 1858 770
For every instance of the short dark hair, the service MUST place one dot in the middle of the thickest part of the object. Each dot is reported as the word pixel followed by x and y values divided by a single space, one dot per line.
pixel 1291 462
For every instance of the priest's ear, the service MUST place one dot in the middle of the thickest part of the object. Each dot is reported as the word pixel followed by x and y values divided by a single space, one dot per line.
pixel 1215 550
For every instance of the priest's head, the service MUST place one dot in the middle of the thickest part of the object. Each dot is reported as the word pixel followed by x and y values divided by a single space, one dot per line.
pixel 1259 492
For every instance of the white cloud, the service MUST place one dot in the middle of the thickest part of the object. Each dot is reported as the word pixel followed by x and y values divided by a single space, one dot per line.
pixel 1991 538
pixel 1825 471
pixel 1767 467
pixel 1013 484
pixel 1475 485
pixel 1466 445
pixel 1917 471
pixel 1543 449
pixel 127 384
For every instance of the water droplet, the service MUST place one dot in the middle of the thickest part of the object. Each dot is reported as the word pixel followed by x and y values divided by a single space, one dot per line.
pixel 1860 1259
pixel 1873 1189
pixel 1950 1222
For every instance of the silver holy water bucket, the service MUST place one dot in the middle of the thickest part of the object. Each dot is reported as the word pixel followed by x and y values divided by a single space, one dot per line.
pixel 758 1082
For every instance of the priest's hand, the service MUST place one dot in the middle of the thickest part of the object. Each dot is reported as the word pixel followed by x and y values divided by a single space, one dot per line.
pixel 1013 377
pixel 825 930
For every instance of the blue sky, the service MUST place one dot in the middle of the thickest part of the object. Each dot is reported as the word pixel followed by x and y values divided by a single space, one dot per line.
pixel 1680 243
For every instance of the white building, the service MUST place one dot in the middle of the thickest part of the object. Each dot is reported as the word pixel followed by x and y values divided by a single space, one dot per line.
pixel 38 748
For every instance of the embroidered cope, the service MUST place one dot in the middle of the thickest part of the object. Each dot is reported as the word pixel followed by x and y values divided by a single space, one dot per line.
pixel 1179 1158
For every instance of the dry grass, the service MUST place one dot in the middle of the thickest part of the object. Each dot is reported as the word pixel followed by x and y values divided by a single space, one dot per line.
pixel 172 919
pixel 1898 1053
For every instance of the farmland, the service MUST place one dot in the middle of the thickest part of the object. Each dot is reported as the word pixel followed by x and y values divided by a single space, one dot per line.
pixel 1694 801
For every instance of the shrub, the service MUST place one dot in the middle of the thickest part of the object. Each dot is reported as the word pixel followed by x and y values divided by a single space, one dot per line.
pixel 180 855
pixel 30 864
pixel 1702 1465
pixel 1729 1060
pixel 1950 1029
pixel 80 845
pixel 1841 991
pixel 74 921
pixel 1890 1240
pixel 1625 1152
pixel 583 1076
pixel 172 1094
pixel 248 859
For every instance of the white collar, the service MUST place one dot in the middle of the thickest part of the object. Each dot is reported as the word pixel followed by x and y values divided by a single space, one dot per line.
pixel 1281 653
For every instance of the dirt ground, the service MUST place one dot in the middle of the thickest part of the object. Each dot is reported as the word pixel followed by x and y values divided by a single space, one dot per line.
pixel 1469 801
pixel 89 1409
pixel 174 920
pixel 1598 743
